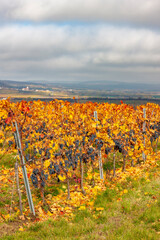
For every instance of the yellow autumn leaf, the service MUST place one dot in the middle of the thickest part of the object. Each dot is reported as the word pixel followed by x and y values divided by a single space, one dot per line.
pixel 46 163
pixel 94 125
pixel 82 208
pixel 125 191
pixel 5 171
pixel 49 196
pixel 130 154
pixel 99 209
pixel 7 216
pixel 49 213
pixel 90 203
pixel 71 117
pixel 40 210
pixel 62 178
pixel 21 229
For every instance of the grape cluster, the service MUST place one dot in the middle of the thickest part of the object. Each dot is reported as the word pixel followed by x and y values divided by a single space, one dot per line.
pixel 34 177
pixel 107 150
pixel 36 174
pixel 156 134
pixel 10 143
pixel 118 145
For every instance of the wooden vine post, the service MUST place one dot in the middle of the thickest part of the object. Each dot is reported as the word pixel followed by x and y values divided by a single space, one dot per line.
pixel 144 130
pixel 18 188
pixel 41 185
pixel 114 164
pixel 82 175
pixel 124 163
pixel 68 189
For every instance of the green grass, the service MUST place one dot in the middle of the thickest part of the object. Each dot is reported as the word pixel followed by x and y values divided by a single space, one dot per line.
pixel 131 215
pixel 156 147
pixel 8 160
pixel 53 190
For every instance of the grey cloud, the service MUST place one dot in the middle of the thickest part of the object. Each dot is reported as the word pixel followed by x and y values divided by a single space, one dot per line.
pixel 144 12
pixel 68 52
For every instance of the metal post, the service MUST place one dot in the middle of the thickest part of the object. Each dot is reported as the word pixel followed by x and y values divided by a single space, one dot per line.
pixel 100 164
pixel 27 186
pixel 99 152
pixel 95 115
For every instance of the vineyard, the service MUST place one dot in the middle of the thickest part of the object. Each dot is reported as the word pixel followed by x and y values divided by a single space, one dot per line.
pixel 69 153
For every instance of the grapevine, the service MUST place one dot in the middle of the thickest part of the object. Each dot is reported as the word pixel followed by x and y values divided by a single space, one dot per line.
pixel 63 141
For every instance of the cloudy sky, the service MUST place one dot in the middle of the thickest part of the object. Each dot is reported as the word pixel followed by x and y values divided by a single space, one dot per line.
pixel 80 40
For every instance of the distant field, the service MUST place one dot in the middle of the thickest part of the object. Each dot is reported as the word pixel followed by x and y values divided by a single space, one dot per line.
pixel 19 94
pixel 133 102
pixel 82 97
